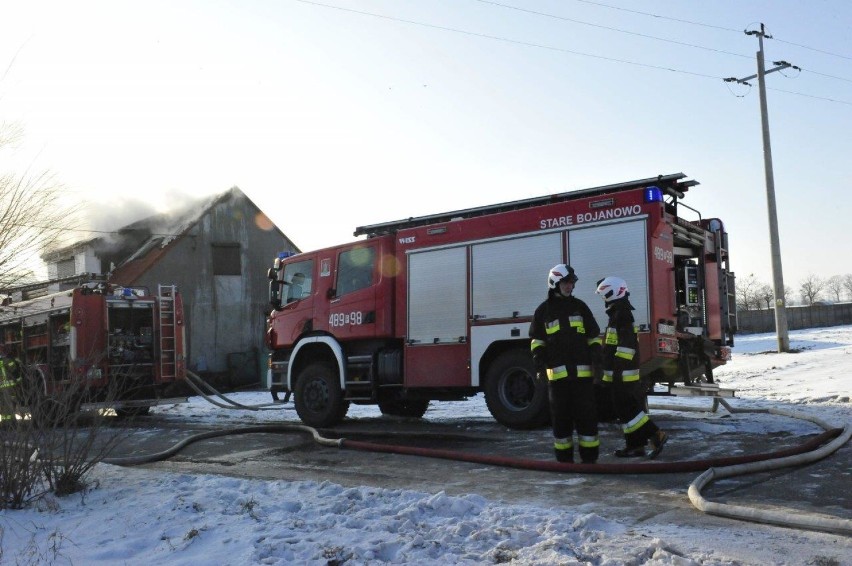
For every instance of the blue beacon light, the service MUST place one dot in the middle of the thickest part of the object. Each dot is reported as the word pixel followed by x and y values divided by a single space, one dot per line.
pixel 653 194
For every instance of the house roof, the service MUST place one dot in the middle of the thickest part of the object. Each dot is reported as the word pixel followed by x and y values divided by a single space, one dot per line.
pixel 164 231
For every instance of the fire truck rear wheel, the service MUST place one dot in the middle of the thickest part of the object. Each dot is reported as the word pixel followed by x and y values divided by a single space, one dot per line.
pixel 514 396
pixel 319 398
pixel 128 412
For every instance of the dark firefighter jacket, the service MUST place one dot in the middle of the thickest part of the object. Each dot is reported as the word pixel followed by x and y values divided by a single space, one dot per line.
pixel 565 338
pixel 9 372
pixel 620 344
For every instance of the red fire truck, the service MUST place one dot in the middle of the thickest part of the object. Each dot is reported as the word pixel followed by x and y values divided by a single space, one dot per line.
pixel 113 346
pixel 438 307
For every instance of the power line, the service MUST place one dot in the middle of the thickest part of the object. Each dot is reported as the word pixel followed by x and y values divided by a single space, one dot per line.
pixel 694 23
pixel 615 29
pixel 507 40
pixel 548 15
pixel 813 49
pixel 811 96
pixel 824 75
pixel 659 16
pixel 558 49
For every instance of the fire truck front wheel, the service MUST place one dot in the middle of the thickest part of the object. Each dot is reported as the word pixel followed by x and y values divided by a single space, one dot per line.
pixel 319 398
pixel 512 393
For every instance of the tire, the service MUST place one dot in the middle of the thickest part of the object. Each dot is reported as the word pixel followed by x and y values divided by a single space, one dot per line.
pixel 319 398
pixel 128 412
pixel 413 408
pixel 515 398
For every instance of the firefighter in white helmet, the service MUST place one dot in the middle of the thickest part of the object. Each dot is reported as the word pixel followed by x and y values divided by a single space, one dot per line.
pixel 621 372
pixel 565 344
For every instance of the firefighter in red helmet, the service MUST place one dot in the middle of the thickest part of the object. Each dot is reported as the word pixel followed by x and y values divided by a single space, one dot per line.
pixel 565 344
pixel 621 372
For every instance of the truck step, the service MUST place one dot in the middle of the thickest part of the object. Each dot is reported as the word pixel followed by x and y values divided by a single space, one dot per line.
pixel 704 390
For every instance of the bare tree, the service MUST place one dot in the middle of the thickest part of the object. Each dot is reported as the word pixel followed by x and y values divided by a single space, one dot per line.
pixel 847 284
pixel 810 288
pixel 33 217
pixel 747 292
pixel 765 296
pixel 50 444
pixel 834 285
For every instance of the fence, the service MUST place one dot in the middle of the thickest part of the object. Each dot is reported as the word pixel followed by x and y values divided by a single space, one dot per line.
pixel 813 316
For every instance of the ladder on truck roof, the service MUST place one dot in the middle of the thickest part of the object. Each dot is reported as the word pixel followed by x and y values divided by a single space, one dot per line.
pixel 168 331
pixel 672 185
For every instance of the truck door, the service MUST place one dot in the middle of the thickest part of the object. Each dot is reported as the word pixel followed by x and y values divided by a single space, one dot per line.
pixel 352 306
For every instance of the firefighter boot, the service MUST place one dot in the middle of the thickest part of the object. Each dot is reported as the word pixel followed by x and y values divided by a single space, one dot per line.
pixel 564 456
pixel 657 442
pixel 630 452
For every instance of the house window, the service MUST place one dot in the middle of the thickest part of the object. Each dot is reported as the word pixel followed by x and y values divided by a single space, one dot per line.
pixel 65 268
pixel 226 259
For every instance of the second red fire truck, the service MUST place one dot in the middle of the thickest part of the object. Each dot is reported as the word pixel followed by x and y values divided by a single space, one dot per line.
pixel 99 344
pixel 438 307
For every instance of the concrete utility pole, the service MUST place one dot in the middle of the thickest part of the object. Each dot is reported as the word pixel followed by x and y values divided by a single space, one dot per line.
pixel 781 328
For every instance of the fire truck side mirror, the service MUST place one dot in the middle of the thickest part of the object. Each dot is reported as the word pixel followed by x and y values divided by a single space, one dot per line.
pixel 271 274
pixel 275 293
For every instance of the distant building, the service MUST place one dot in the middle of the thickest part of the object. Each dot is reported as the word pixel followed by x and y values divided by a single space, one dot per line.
pixel 217 254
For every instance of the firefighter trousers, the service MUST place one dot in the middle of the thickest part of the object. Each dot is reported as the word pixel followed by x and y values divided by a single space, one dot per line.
pixel 7 400
pixel 637 426
pixel 572 407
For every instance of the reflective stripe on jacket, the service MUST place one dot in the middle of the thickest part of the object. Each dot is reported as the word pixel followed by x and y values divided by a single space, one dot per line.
pixel 621 345
pixel 563 334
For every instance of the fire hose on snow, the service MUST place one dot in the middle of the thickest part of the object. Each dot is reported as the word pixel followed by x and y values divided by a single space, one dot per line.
pixel 196 384
pixel 814 449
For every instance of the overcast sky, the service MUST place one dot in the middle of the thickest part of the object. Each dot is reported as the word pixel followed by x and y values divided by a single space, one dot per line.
pixel 341 113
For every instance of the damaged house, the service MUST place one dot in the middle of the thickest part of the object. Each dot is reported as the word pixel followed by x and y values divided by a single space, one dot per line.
pixel 217 254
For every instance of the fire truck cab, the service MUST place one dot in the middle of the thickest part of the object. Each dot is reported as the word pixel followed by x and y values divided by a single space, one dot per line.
pixel 439 307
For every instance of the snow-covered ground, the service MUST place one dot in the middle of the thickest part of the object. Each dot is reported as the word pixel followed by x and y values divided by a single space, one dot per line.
pixel 135 516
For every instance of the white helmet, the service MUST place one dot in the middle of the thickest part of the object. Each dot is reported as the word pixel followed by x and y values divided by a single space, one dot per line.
pixel 612 288
pixel 558 273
